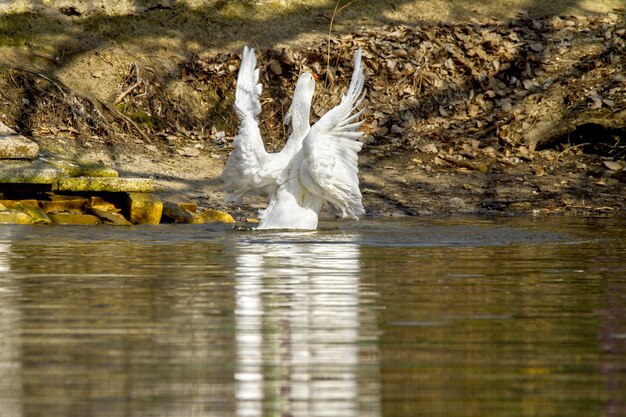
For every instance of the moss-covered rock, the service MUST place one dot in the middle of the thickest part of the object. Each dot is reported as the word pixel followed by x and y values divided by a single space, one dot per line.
pixel 144 208
pixel 36 214
pixel 187 205
pixel 110 217
pixel 105 184
pixel 26 172
pixel 9 204
pixel 216 216
pixel 14 217
pixel 175 213
pixel 99 203
pixel 61 204
pixel 75 219
pixel 73 168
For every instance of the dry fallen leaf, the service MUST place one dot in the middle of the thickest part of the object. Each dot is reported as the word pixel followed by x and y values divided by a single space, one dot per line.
pixel 275 68
pixel 613 166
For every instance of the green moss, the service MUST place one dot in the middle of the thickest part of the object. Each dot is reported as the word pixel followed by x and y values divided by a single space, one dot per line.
pixel 106 184
pixel 9 41
pixel 141 117
pixel 22 172
pixel 73 168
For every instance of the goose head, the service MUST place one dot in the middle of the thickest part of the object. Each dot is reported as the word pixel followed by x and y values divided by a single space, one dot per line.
pixel 298 113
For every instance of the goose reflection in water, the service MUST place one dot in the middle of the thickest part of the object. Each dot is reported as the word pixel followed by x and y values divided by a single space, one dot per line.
pixel 298 331
pixel 10 366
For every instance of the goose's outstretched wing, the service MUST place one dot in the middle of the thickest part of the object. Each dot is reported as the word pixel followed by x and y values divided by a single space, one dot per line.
pixel 330 150
pixel 242 172
pixel 247 103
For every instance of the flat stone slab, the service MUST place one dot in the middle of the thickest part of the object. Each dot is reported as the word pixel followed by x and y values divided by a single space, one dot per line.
pixel 67 175
pixel 73 168
pixel 105 184
pixel 27 172
pixel 16 146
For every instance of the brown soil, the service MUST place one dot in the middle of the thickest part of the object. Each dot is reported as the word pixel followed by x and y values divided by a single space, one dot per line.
pixel 518 114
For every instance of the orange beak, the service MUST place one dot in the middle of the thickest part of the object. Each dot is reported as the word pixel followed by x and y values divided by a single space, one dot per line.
pixel 315 76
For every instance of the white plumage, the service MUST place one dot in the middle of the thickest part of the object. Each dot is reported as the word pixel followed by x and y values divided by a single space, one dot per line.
pixel 318 164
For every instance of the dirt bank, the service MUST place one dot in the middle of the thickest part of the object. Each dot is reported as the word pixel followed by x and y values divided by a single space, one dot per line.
pixel 520 114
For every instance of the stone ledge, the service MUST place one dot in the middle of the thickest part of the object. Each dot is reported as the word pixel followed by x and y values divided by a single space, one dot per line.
pixel 79 168
pixel 105 184
pixel 23 172
pixel 70 176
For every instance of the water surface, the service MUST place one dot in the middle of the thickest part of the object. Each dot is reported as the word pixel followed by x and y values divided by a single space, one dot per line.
pixel 428 317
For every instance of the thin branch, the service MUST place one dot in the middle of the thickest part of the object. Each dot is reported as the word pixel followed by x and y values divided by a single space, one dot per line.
pixel 137 83
pixel 330 32
pixel 45 77
pixel 126 92
pixel 580 145
pixel 124 118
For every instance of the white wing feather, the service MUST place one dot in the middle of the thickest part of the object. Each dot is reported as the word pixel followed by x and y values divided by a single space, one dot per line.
pixel 330 150
pixel 242 171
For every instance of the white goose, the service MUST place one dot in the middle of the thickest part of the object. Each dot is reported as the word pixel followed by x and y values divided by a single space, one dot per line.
pixel 317 165
pixel 249 168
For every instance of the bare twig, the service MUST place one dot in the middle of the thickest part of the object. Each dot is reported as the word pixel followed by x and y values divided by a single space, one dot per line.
pixel 124 118
pixel 126 92
pixel 580 145
pixel 330 31
pixel 45 77
pixel 137 83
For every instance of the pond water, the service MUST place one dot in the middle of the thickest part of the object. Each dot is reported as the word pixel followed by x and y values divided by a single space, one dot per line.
pixel 399 317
